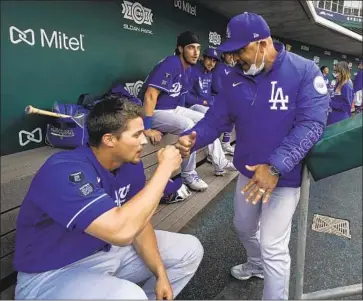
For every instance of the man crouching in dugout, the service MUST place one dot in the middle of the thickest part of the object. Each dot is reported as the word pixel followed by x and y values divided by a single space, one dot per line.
pixel 84 229
pixel 278 102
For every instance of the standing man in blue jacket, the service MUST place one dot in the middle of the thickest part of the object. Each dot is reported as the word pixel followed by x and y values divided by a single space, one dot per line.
pixel 277 122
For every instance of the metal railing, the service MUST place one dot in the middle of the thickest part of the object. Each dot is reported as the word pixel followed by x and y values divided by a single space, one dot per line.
pixel 341 7
pixel 338 292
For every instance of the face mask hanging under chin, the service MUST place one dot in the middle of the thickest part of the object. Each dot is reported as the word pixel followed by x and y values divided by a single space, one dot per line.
pixel 253 68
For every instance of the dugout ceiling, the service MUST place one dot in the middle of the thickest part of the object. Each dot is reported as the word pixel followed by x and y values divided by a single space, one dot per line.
pixel 290 20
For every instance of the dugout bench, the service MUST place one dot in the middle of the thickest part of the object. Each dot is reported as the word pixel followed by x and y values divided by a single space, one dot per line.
pixel 17 171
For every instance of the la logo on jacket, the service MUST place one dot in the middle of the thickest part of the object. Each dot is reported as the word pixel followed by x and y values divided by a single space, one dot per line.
pixel 277 97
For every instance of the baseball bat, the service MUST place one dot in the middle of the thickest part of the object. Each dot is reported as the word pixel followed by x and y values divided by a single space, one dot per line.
pixel 31 110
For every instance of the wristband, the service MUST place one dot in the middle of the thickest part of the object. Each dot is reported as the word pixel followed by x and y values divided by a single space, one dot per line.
pixel 147 122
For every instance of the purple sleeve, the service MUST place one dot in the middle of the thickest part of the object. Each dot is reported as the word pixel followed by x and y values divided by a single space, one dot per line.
pixel 358 81
pixel 161 76
pixel 70 195
pixel 192 99
pixel 216 121
pixel 311 116
pixel 347 92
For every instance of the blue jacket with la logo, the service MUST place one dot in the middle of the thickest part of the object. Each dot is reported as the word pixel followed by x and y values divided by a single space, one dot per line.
pixel 278 115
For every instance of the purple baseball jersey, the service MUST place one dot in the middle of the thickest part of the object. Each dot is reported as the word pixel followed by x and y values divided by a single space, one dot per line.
pixel 171 79
pixel 278 115
pixel 358 81
pixel 200 86
pixel 67 194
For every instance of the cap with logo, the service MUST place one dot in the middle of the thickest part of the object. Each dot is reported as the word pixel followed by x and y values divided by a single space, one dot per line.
pixel 244 29
pixel 212 53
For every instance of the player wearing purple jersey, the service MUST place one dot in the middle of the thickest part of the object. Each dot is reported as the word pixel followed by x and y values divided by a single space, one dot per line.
pixel 357 88
pixel 84 229
pixel 277 122
pixel 163 94
pixel 204 85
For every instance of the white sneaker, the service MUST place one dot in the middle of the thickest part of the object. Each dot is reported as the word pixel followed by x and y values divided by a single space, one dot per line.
pixel 228 148
pixel 228 167
pixel 196 183
pixel 246 271
pixel 182 194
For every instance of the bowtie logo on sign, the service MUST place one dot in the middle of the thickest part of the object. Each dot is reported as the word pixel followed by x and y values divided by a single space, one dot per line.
pixel 17 36
pixel 26 137
pixel 214 38
pixel 121 194
pixel 56 39
pixel 277 97
pixel 134 88
pixel 139 14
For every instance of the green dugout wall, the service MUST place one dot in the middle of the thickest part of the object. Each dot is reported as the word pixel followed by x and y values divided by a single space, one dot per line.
pixel 57 50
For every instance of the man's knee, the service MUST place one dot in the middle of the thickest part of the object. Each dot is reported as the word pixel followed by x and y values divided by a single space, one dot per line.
pixel 188 124
pixel 127 291
pixel 175 125
pixel 244 230
pixel 193 251
pixel 273 249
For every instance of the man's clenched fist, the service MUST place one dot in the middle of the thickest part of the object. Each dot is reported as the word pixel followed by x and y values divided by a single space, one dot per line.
pixel 186 143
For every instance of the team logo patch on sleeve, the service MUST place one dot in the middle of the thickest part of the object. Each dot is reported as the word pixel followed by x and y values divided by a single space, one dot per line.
pixel 86 189
pixel 76 177
pixel 320 85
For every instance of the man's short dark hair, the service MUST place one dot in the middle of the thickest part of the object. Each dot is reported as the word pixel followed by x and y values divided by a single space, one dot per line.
pixel 322 68
pixel 110 115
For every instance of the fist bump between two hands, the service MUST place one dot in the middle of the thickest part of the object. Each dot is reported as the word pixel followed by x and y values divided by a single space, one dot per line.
pixel 172 155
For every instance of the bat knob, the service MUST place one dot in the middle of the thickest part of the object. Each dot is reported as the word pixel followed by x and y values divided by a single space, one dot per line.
pixel 28 109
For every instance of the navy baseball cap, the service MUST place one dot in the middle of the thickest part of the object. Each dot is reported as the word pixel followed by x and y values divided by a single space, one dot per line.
pixel 211 52
pixel 244 29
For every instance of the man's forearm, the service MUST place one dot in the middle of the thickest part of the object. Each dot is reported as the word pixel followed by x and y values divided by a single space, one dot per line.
pixel 136 213
pixel 147 247
pixel 149 104
pixel 296 145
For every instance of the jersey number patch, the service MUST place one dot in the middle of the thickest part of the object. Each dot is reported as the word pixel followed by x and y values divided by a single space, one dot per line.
pixel 277 97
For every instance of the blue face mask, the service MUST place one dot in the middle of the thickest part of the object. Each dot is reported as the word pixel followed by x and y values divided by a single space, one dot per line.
pixel 253 68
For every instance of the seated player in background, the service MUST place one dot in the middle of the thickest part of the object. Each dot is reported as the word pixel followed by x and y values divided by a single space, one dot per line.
pixel 357 86
pixel 325 72
pixel 205 82
pixel 163 94
pixel 84 229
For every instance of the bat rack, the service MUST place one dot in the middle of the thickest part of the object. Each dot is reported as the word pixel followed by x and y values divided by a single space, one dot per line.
pixel 338 292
